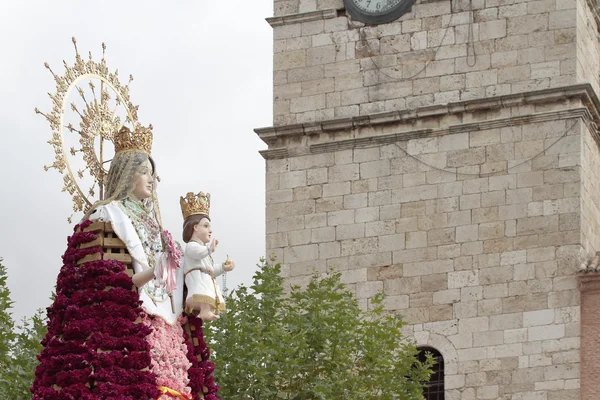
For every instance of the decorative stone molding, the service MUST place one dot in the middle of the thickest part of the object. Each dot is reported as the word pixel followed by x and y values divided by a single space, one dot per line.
pixel 438 342
pixel 370 141
pixel 589 113
pixel 303 17
pixel 446 349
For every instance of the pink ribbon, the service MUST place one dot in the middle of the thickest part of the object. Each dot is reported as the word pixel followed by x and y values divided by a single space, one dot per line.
pixel 169 263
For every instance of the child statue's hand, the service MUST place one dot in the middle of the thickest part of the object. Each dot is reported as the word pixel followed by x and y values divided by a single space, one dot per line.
pixel 213 245
pixel 228 265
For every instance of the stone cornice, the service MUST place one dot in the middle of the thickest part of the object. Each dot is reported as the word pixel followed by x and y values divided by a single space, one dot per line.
pixel 590 113
pixel 302 17
pixel 579 112
pixel 336 145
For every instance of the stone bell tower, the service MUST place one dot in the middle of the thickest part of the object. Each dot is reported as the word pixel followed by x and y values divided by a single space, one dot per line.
pixel 447 153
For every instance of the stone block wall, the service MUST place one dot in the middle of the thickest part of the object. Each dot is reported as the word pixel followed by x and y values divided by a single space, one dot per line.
pixel 287 7
pixel 471 226
pixel 449 159
pixel 590 194
pixel 588 46
pixel 327 66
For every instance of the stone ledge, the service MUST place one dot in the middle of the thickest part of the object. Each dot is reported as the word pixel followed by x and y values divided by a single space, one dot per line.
pixel 375 140
pixel 303 17
pixel 584 92
pixel 580 112
pixel 368 141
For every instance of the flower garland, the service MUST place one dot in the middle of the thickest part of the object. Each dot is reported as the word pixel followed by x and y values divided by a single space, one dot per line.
pixel 97 346
pixel 168 350
pixel 201 380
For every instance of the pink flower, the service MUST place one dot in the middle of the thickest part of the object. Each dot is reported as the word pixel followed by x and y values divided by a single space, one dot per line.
pixel 169 362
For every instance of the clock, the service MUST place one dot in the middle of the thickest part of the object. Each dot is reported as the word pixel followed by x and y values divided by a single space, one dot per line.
pixel 377 11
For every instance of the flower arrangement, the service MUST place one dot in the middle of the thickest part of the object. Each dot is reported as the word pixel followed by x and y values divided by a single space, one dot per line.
pixel 201 379
pixel 96 347
pixel 101 344
pixel 167 344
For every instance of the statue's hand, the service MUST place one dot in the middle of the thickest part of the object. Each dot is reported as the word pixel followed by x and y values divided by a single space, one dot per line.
pixel 229 265
pixel 213 245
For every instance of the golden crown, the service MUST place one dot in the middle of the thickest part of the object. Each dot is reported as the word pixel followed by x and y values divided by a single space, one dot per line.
pixel 193 204
pixel 140 139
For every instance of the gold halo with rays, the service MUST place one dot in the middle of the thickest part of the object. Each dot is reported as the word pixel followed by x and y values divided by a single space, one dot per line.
pixel 98 121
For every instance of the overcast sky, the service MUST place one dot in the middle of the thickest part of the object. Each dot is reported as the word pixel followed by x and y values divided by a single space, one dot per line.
pixel 203 78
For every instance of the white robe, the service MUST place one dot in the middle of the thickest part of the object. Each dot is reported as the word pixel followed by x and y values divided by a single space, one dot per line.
pixel 200 274
pixel 126 232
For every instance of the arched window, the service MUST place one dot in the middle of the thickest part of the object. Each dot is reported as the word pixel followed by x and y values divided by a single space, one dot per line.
pixel 435 388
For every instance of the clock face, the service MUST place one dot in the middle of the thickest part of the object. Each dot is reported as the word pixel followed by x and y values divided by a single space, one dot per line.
pixel 376 6
pixel 377 11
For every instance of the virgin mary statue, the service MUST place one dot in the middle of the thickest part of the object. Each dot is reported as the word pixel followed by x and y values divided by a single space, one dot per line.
pixel 116 328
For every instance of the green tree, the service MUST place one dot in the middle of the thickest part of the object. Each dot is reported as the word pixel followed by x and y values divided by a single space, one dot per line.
pixel 25 349
pixel 19 346
pixel 7 327
pixel 312 343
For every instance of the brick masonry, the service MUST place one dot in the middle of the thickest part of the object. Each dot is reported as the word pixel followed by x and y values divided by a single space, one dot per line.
pixel 590 326
pixel 466 189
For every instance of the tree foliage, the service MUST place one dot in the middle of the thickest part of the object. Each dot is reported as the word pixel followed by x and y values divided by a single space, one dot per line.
pixel 311 343
pixel 7 326
pixel 19 346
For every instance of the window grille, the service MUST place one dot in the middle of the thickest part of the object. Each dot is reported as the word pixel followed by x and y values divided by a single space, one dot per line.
pixel 434 390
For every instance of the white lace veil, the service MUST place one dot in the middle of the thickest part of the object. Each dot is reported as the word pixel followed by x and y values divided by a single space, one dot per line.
pixel 121 179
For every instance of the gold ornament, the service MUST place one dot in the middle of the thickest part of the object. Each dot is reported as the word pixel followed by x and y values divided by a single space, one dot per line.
pixel 193 204
pixel 97 120
pixel 139 140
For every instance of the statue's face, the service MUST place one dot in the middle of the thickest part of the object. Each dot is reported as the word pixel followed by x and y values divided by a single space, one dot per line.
pixel 143 181
pixel 203 230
